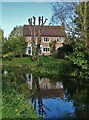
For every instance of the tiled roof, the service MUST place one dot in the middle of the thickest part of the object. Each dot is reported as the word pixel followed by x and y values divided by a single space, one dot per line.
pixel 49 31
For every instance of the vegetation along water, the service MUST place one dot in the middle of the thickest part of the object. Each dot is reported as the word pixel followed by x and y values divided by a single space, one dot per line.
pixel 26 93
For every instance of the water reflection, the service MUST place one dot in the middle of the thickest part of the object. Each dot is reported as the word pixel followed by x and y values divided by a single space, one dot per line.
pixel 52 97
pixel 48 97
pixel 46 86
pixel 5 72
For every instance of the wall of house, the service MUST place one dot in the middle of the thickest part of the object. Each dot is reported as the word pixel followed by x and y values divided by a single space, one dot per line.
pixel 45 47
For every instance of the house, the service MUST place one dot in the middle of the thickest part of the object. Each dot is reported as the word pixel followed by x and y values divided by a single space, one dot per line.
pixel 49 34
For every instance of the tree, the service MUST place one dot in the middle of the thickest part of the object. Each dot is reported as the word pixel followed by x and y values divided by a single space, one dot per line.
pixel 80 56
pixel 82 23
pixel 16 32
pixel 75 18
pixel 1 40
pixel 64 51
pixel 1 35
pixel 36 49
pixel 16 41
pixel 64 14
pixel 79 33
pixel 17 46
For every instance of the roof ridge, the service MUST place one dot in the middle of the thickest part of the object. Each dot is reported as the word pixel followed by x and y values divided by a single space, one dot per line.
pixel 56 31
pixel 45 25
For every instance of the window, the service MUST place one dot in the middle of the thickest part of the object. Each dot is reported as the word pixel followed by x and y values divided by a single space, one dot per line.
pixel 46 49
pixel 43 49
pixel 60 39
pixel 29 51
pixel 46 39
pixel 46 86
pixel 40 50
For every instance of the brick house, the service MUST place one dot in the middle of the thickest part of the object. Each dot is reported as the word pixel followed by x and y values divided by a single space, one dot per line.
pixel 49 34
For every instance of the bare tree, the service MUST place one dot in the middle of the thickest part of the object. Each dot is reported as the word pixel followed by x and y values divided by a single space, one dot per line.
pixel 36 49
pixel 40 36
pixel 74 16
pixel 64 14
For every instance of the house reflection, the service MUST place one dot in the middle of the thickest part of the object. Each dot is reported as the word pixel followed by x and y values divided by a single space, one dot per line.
pixel 45 86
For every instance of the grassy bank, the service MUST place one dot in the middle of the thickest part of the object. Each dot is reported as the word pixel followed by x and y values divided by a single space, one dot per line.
pixel 15 91
pixel 14 94
pixel 44 65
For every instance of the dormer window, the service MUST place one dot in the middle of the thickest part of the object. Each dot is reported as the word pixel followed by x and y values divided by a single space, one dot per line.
pixel 60 39
pixel 46 39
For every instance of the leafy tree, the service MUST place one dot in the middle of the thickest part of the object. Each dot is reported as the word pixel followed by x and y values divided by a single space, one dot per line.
pixel 64 51
pixel 1 34
pixel 1 40
pixel 81 51
pixel 82 23
pixel 16 32
pixel 15 45
pixel 79 33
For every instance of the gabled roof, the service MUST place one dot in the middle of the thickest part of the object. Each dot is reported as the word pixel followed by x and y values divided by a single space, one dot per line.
pixel 48 31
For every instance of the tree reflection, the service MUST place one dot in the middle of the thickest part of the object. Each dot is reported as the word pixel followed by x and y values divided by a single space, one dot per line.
pixel 41 88
pixel 73 89
pixel 35 95
pixel 77 90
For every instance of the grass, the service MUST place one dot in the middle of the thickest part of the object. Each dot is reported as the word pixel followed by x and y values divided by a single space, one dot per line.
pixel 14 103
pixel 44 65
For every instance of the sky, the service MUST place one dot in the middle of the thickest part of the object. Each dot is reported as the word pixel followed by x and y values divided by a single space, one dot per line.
pixel 17 13
pixel 14 13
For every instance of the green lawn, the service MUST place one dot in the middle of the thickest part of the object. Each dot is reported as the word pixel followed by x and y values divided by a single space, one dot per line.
pixel 45 65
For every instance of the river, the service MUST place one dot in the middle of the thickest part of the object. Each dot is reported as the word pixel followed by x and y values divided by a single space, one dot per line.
pixel 54 96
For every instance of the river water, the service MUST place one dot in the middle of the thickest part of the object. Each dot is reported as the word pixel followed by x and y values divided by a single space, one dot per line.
pixel 54 96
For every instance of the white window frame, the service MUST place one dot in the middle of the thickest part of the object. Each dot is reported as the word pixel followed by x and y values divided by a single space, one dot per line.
pixel 60 38
pixel 41 48
pixel 46 38
pixel 46 48
pixel 27 50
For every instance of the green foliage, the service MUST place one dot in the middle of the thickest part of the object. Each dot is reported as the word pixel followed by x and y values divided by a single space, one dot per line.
pixel 80 55
pixel 51 65
pixel 14 93
pixel 77 24
pixel 64 51
pixel 44 65
pixel 82 23
pixel 1 35
pixel 15 45
pixel 16 32
pixel 53 47
pixel 79 58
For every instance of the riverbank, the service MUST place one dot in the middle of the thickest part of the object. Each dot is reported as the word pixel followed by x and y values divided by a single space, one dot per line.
pixel 14 98
pixel 44 65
